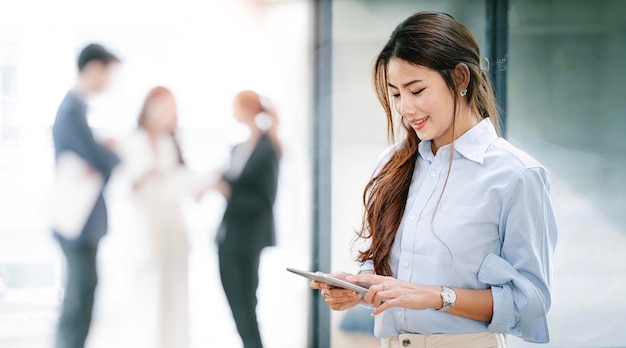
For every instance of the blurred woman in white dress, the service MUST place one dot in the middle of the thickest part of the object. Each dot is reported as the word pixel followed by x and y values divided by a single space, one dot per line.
pixel 153 163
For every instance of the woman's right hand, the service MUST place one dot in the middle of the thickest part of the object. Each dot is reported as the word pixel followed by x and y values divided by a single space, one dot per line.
pixel 336 298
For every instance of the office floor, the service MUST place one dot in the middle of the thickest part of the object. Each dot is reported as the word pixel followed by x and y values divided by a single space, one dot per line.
pixel 28 316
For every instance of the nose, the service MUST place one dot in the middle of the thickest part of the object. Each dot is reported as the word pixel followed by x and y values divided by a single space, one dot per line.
pixel 405 107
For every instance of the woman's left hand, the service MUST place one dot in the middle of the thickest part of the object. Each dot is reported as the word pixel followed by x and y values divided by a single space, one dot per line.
pixel 387 292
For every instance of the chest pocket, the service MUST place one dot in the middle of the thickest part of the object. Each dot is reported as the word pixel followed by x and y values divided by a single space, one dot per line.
pixel 468 233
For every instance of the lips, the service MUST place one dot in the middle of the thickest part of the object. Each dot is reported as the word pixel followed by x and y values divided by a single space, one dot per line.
pixel 419 123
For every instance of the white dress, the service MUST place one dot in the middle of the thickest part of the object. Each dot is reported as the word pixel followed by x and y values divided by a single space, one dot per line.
pixel 159 244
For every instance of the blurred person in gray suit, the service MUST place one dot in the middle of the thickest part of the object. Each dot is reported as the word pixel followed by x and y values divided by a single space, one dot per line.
pixel 72 134
pixel 249 186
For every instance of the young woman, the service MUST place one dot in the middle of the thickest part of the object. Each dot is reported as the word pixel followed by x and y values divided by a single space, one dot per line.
pixel 459 224
pixel 249 186
pixel 153 164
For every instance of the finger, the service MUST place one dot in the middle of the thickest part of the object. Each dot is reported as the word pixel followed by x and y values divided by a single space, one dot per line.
pixel 340 293
pixel 380 297
pixel 349 305
pixel 386 305
pixel 337 292
pixel 338 299
pixel 317 285
pixel 341 303
pixel 371 293
pixel 329 291
pixel 366 277
pixel 340 275
pixel 322 285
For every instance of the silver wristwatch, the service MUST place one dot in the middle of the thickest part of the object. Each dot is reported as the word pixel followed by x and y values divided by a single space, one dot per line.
pixel 448 298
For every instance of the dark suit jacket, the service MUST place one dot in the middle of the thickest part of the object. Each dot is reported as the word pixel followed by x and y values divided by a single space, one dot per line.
pixel 248 222
pixel 71 132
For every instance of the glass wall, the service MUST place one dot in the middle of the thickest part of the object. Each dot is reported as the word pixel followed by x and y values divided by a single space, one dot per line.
pixel 205 52
pixel 567 108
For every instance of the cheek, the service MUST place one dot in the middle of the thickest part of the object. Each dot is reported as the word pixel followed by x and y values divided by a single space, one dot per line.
pixel 106 79
pixel 157 122
pixel 172 122
pixel 166 121
pixel 439 106
pixel 429 102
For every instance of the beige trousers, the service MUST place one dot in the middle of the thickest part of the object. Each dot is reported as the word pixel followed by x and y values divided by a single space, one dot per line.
pixel 472 340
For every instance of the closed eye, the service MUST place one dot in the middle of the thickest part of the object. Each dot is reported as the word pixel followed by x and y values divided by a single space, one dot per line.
pixel 418 92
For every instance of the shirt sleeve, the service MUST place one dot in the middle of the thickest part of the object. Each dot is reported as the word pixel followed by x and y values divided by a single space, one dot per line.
pixel 521 276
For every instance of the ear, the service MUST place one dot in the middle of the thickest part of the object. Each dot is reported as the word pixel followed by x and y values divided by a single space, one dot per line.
pixel 461 76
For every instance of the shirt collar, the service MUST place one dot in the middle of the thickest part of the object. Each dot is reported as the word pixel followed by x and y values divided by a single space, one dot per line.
pixel 472 144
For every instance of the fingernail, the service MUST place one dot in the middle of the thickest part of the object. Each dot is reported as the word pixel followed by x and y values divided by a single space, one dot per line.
pixel 349 277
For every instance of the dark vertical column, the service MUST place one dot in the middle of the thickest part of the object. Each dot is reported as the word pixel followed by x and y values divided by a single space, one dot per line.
pixel 498 51
pixel 319 321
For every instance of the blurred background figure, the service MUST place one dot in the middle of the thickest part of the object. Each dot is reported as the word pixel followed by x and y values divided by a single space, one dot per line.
pixel 159 247
pixel 72 134
pixel 249 186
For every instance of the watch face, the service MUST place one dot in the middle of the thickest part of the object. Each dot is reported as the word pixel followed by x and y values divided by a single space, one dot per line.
pixel 449 296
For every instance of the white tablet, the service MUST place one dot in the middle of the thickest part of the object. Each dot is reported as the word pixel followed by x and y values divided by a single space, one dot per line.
pixel 325 278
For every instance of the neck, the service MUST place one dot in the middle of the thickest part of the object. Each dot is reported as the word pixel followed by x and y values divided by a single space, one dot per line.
pixel 255 132
pixel 82 86
pixel 152 140
pixel 151 133
pixel 463 122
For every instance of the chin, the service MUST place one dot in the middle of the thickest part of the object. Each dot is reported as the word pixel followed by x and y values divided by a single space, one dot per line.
pixel 423 136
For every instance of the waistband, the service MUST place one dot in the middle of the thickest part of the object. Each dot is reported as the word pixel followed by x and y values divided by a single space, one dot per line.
pixel 473 340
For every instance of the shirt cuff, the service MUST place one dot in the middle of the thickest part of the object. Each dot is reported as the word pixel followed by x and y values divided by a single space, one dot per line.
pixel 517 307
pixel 503 319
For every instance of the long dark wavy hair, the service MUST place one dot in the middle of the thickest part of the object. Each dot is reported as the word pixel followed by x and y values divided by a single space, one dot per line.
pixel 155 94
pixel 436 41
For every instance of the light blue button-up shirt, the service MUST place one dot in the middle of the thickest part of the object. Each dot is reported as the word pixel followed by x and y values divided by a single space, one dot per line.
pixel 494 228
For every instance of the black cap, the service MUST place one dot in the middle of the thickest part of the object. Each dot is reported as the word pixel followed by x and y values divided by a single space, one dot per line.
pixel 98 53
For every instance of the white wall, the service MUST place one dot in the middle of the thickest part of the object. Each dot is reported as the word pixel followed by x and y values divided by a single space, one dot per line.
pixel 205 52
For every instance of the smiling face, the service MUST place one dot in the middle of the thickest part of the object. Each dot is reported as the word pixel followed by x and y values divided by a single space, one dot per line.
pixel 423 98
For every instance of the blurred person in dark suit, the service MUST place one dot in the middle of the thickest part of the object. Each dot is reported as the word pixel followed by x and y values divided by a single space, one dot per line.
pixel 249 186
pixel 71 133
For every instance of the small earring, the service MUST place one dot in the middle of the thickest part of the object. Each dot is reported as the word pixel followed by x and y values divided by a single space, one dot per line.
pixel 463 92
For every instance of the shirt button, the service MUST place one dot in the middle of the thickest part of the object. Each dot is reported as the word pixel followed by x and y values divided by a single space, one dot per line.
pixel 405 264
pixel 412 217
pixel 433 173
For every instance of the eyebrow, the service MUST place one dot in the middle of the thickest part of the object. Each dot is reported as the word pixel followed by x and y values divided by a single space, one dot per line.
pixel 406 84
